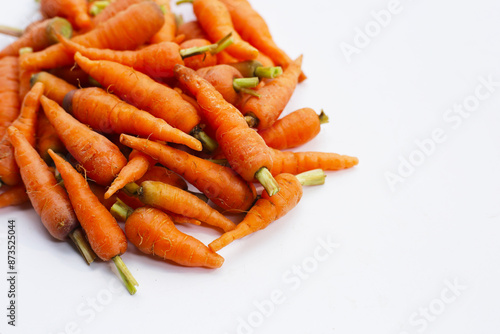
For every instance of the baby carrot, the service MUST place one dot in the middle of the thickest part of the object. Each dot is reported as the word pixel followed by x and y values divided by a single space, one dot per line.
pixel 153 232
pixel 198 61
pixel 26 124
pixel 103 232
pixel 108 114
pixel 9 92
pixel 223 186
pixel 15 195
pixel 266 210
pixel 191 30
pixel 162 174
pixel 55 88
pixel 113 9
pixel 168 30
pixel 125 31
pixel 245 150
pixel 294 129
pixel 262 112
pixel 100 159
pixel 39 36
pixel 73 10
pixel 47 138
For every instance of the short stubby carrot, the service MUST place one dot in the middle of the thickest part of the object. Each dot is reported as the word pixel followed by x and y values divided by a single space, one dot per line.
pixel 162 174
pixel 266 210
pixel 220 184
pixel 167 197
pixel 15 195
pixel 106 113
pixel 143 92
pixel 47 138
pixel 153 232
pixel 168 30
pixel 215 20
pixel 26 124
pixel 73 10
pixel 245 150
pixel 191 30
pixel 294 129
pixel 113 9
pixel 39 36
pixel 274 97
pixel 9 92
pixel 99 157
pixel 49 199
pixel 55 88
pixel 125 31
pixel 199 61
pixel 298 162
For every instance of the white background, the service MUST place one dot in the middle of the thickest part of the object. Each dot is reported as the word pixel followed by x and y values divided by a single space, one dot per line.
pixel 398 249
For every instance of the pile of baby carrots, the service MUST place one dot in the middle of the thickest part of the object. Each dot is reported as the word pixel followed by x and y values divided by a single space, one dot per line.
pixel 111 109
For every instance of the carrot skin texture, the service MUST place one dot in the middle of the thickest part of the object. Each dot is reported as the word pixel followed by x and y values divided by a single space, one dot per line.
pixel 101 159
pixel 49 199
pixel 153 232
pixel 166 197
pixel 26 124
pixel 245 150
pixel 108 114
pixel 266 210
pixel 162 174
pixel 74 10
pixel 55 88
pixel 191 30
pixel 169 28
pixel 220 184
pixel 143 92
pixel 9 88
pixel 273 97
pixel 47 138
pixel 113 9
pixel 221 77
pixel 15 195
pixel 293 130
pixel 103 232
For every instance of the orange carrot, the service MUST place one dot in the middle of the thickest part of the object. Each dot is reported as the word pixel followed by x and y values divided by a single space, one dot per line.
pixel 138 164
pixel 26 124
pixel 113 9
pixel 199 61
pixel 15 195
pixel 265 211
pixel 153 232
pixel 168 30
pixel 245 150
pixel 100 159
pixel 108 114
pixel 162 174
pixel 166 197
pixel 215 20
pixel 49 199
pixel 222 78
pixel 225 58
pixel 221 184
pixel 47 138
pixel 73 10
pixel 263 111
pixel 253 29
pixel 125 31
pixel 294 129
pixel 39 36
pixel 103 232
pixel 191 30
pixel 55 88
pixel 9 92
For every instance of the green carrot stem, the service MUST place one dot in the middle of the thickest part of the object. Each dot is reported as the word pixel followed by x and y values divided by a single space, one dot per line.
pixel 81 243
pixel 132 189
pixel 323 118
pixel 25 50
pixel 268 72
pixel 208 143
pixel 267 180
pixel 212 48
pixel 241 83
pixel 247 67
pixel 179 20
pixel 126 275
pixel 312 178
pixel 252 121
pixel 61 27
pixel 184 1
pixel 121 211
pixel 163 9
pixel 11 31
pixel 98 6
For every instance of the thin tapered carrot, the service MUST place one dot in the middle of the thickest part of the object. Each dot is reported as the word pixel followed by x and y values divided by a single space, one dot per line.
pixel 263 111
pixel 215 20
pixel 245 150
pixel 15 195
pixel 266 210
pixel 39 36
pixel 73 10
pixel 191 30
pixel 168 30
pixel 294 129
pixel 113 9
pixel 26 124
pixel 9 92
pixel 153 232
pixel 167 197
pixel 162 174
pixel 138 164
pixel 103 232
pixel 253 29
pixel 100 159
pixel 221 184
pixel 47 138
pixel 108 114
pixel 55 88
pixel 24 75
pixel 125 31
